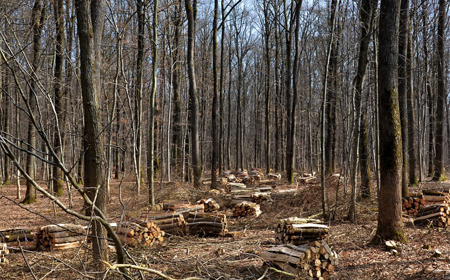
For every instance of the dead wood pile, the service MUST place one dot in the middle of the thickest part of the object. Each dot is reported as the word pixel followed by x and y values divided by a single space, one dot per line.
pixel 246 208
pixel 140 234
pixel 19 236
pixel 59 237
pixel 437 215
pixel 207 224
pixel 315 259
pixel 3 252
pixel 299 231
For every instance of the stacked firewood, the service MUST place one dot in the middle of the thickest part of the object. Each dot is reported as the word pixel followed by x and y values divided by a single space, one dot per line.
pixel 182 206
pixel 245 209
pixel 19 236
pixel 235 187
pixel 436 197
pixel 143 234
pixel 3 252
pixel 169 222
pixel 413 205
pixel 316 259
pixel 299 231
pixel 437 215
pixel 274 176
pixel 59 237
pixel 207 224
pixel 210 205
pixel 259 197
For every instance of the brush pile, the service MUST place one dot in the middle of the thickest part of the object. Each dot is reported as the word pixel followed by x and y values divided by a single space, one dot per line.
pixel 3 252
pixel 60 237
pixel 300 231
pixel 207 224
pixel 245 209
pixel 140 234
pixel 315 259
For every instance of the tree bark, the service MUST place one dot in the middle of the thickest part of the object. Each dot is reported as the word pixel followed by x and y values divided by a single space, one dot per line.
pixel 191 12
pixel 367 12
pixel 93 159
pixel 214 125
pixel 439 170
pixel 390 225
pixel 38 17
pixel 58 182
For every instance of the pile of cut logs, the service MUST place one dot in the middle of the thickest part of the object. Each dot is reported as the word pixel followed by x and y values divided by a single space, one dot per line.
pixel 246 208
pixel 59 237
pixel 19 236
pixel 168 222
pixel 3 252
pixel 182 206
pixel 436 197
pixel 299 231
pixel 436 211
pixel 316 259
pixel 142 233
pixel 210 205
pixel 207 224
pixel 437 215
pixel 413 205
pixel 260 197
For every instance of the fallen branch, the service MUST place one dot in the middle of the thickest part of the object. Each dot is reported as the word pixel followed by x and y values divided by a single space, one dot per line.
pixel 159 273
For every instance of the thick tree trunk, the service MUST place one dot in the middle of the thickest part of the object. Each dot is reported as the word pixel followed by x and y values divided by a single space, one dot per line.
pixel 93 159
pixel 390 225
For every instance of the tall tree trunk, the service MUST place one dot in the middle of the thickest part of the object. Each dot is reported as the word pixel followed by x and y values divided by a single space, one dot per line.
pixel 324 98
pixel 330 139
pixel 402 88
pixel 191 12
pixel 390 225
pixel 412 150
pixel 151 145
pixel 138 92
pixel 214 125
pixel 439 171
pixel 93 159
pixel 177 136
pixel 267 31
pixel 366 18
pixel 38 17
pixel 58 182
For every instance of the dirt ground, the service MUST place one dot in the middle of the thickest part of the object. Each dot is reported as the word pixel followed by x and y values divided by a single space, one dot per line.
pixel 228 257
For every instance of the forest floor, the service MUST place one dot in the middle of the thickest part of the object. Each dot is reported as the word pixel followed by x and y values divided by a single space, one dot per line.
pixel 230 257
